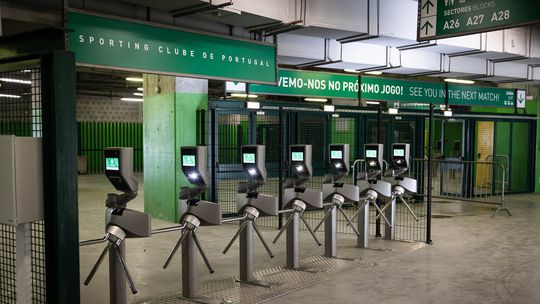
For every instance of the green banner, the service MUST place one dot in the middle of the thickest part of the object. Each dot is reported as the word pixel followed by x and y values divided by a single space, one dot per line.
pixel 310 84
pixel 448 18
pixel 100 41
pixel 376 88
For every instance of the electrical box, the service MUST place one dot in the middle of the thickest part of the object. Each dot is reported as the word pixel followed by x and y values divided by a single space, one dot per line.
pixel 21 180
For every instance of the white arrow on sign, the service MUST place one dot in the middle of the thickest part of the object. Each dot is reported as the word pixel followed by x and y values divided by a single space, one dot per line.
pixel 520 99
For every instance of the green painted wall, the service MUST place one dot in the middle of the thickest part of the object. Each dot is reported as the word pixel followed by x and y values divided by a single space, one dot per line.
pixel 95 136
pixel 343 132
pixel 170 121
pixel 453 131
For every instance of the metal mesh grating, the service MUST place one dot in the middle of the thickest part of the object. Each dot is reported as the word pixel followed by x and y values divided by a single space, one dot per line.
pixel 317 269
pixel 7 264
pixel 21 115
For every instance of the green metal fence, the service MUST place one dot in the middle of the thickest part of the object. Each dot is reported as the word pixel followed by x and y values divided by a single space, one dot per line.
pixel 95 136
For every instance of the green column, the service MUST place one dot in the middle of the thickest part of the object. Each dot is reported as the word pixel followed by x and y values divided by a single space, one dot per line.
pixel 170 121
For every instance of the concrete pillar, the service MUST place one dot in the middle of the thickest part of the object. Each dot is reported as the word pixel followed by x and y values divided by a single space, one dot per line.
pixel 170 121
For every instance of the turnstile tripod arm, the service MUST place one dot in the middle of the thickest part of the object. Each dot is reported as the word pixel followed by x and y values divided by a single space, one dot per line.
pixel 409 208
pixel 287 223
pixel 201 251
pixel 96 265
pixel 125 269
pixel 326 215
pixel 242 227
pixel 349 221
pixel 310 230
pixel 256 228
pixel 175 249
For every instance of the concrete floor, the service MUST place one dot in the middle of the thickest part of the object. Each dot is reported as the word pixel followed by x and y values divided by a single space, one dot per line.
pixel 474 259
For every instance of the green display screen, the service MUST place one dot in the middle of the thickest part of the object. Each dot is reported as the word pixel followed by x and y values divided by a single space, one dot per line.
pixel 249 158
pixel 297 156
pixel 399 152
pixel 188 160
pixel 336 154
pixel 112 163
pixel 371 153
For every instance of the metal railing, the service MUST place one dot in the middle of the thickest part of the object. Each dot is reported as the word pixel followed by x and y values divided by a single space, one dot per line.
pixel 476 181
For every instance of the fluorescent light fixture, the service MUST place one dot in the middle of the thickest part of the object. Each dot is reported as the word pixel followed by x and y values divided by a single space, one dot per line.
pixel 238 87
pixel 132 99
pixel 316 99
pixel 10 96
pixel 134 79
pixel 372 102
pixel 140 89
pixel 462 81
pixel 529 97
pixel 335 115
pixel 447 113
pixel 138 94
pixel 351 70
pixel 14 80
pixel 26 71
pixel 253 105
pixel 393 111
pixel 329 108
pixel 242 95
pixel 373 73
pixel 260 113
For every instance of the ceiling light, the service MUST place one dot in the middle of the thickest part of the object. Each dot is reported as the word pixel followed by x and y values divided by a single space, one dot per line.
pixel 10 96
pixel 140 89
pixel 372 102
pixel 373 73
pixel 529 97
pixel 351 71
pixel 462 81
pixel 253 105
pixel 138 94
pixel 329 108
pixel 447 113
pixel 132 99
pixel 242 95
pixel 134 79
pixel 316 99
pixel 13 80
pixel 252 171
pixel 393 111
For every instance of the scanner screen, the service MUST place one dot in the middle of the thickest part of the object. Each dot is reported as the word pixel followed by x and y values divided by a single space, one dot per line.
pixel 188 160
pixel 297 156
pixel 371 153
pixel 399 152
pixel 249 158
pixel 112 163
pixel 336 154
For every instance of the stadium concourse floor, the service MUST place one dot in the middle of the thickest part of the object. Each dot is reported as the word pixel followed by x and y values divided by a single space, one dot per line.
pixel 474 258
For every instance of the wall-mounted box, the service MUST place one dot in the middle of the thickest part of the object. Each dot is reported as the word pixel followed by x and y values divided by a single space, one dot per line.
pixel 21 180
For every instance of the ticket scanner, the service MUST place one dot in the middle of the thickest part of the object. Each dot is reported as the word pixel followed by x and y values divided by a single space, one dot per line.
pixel 194 212
pixel 120 222
pixel 252 204
pixel 402 184
pixel 297 198
pixel 336 193
pixel 372 188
